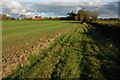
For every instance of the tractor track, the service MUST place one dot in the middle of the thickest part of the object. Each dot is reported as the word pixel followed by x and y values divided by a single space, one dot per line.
pixel 75 54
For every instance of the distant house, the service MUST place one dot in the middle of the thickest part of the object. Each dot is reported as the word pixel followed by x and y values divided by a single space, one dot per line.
pixel 37 18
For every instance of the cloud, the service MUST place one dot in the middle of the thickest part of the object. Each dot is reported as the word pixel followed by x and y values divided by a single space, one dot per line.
pixel 15 5
pixel 62 0
pixel 17 11
pixel 17 0
pixel 28 14
pixel 54 9
pixel 7 14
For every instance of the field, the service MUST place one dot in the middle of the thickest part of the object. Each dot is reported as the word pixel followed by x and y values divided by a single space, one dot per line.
pixel 57 49
pixel 107 21
pixel 110 21
pixel 27 37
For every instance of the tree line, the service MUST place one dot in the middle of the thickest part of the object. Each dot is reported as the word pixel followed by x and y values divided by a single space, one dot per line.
pixel 6 17
pixel 81 15
pixel 84 15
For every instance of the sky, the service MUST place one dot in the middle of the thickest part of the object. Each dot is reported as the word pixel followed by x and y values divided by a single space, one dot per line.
pixel 58 8
pixel 62 0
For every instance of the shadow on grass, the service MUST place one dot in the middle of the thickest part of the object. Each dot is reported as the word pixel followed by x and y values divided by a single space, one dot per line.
pixel 110 31
pixel 109 55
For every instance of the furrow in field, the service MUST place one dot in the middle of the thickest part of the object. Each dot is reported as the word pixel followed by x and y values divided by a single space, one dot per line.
pixel 68 67
pixel 107 54
pixel 90 65
pixel 58 71
pixel 79 53
pixel 19 58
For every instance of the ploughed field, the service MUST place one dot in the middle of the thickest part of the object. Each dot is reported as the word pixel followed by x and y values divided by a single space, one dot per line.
pixel 57 49
pixel 113 22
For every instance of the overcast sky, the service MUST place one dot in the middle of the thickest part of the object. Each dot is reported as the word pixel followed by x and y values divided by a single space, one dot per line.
pixel 62 0
pixel 58 8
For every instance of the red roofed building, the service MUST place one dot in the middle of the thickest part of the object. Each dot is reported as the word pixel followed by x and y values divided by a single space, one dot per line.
pixel 37 18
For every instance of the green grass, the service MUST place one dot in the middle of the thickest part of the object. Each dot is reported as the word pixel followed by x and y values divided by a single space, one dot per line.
pixel 81 53
pixel 21 35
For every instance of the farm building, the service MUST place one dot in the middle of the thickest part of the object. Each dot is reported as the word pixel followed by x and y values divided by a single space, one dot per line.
pixel 37 18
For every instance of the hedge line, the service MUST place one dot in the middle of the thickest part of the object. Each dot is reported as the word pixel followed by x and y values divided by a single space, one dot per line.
pixel 110 31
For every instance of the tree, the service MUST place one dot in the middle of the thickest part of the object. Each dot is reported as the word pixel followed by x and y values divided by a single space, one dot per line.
pixel 94 16
pixel 45 18
pixel 5 17
pixel 28 18
pixel 12 18
pixel 72 15
pixel 50 18
pixel 55 18
pixel 87 16
pixel 83 16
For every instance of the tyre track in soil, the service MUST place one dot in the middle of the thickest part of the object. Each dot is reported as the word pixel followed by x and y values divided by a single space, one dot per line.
pixel 73 55
pixel 67 67
pixel 107 55
pixel 79 64
pixel 71 61
pixel 21 59
pixel 90 65
pixel 46 56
